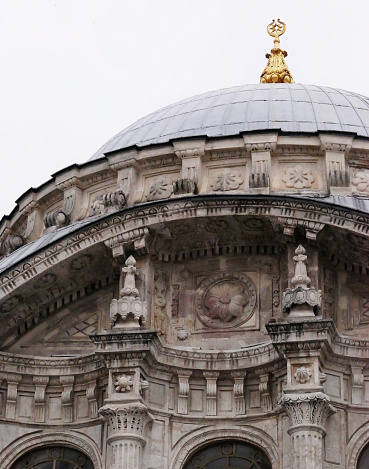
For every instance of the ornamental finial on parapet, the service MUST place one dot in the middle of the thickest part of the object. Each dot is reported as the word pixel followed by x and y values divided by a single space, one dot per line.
pixel 276 70
pixel 301 300
pixel 129 312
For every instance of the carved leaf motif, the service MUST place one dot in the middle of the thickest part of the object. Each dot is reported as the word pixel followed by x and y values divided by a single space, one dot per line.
pixel 298 177
pixel 227 181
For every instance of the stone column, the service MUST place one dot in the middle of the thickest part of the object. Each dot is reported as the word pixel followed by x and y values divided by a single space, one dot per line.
pixel 126 425
pixel 308 413
pixel 302 340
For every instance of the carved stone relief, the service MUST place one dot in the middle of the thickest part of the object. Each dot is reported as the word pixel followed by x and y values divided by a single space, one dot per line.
pixel 161 188
pixel 109 202
pixel 123 383
pixel 360 181
pixel 225 300
pixel 160 319
pixel 227 181
pixel 298 177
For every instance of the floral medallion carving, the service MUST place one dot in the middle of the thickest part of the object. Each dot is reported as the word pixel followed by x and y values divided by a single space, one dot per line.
pixel 123 383
pixel 302 375
pixel 228 181
pixel 298 177
pixel 162 188
pixel 225 300
pixel 360 181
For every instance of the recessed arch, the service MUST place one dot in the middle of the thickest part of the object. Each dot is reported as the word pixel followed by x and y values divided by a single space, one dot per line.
pixel 71 439
pixel 358 443
pixel 228 454
pixel 187 446
pixel 363 460
pixel 55 456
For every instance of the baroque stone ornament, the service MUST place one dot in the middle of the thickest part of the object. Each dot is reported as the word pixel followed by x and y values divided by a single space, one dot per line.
pixel 301 300
pixel 160 320
pixel 108 203
pixel 184 186
pixel 129 311
pixel 226 300
pixel 227 181
pixel 123 383
pixel 126 434
pixel 302 375
pixel 360 181
pixel 11 243
pixel 298 177
pixel 55 220
pixel 308 414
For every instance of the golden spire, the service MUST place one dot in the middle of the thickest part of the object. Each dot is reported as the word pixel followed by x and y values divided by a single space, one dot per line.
pixel 276 70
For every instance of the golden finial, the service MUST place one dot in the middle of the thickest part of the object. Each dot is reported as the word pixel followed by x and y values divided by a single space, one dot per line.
pixel 276 70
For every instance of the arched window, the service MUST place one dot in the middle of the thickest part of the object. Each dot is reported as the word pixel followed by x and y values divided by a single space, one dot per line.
pixel 53 457
pixel 364 458
pixel 229 455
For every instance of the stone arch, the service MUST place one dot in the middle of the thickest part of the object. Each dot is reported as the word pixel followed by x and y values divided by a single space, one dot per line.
pixel 356 444
pixel 191 443
pixel 32 441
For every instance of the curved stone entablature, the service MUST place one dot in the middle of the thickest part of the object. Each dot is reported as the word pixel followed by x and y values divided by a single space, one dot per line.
pixel 327 164
pixel 261 222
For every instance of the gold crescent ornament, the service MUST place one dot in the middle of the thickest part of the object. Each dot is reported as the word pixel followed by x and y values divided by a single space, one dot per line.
pixel 276 70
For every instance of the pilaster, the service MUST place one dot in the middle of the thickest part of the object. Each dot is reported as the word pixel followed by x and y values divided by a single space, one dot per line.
pixel 126 426
pixel 239 391
pixel 12 394
pixel 302 340
pixel 183 390
pixel 40 383
pixel 211 392
pixel 67 398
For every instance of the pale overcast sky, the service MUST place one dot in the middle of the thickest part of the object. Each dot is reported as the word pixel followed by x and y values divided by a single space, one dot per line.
pixel 75 72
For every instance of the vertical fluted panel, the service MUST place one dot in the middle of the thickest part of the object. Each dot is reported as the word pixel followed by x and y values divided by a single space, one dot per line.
pixel 125 454
pixel 308 449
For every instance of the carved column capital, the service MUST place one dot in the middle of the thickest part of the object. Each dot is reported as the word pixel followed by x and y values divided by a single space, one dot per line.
pixel 308 413
pixel 126 420
pixel 126 439
pixel 308 409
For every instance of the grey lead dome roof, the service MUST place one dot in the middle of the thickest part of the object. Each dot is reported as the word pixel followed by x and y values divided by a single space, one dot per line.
pixel 229 111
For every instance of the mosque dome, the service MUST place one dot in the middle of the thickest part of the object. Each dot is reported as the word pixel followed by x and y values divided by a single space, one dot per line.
pixel 249 108
pixel 204 275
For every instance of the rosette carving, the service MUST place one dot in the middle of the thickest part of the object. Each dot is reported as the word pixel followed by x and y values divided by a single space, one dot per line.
pixel 226 300
pixel 123 383
pixel 298 177
pixel 302 375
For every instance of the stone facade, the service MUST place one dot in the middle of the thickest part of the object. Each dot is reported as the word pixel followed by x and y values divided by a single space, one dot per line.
pixel 162 299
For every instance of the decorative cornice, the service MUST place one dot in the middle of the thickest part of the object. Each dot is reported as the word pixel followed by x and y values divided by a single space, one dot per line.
pixel 187 207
